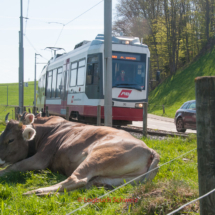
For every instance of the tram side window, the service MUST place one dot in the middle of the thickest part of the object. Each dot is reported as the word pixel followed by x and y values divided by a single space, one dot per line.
pixel 73 73
pixel 92 77
pixel 49 84
pixel 43 82
pixel 39 86
pixel 59 82
pixel 54 80
pixel 81 69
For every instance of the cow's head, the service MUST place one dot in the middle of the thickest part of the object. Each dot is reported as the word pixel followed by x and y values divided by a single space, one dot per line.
pixel 14 139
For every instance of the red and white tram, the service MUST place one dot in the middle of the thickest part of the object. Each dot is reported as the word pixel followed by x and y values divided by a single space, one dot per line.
pixel 76 80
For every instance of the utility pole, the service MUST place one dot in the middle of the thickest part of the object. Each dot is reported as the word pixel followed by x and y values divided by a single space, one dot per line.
pixel 108 62
pixel 145 111
pixel 205 121
pixel 21 63
pixel 35 82
pixel 7 95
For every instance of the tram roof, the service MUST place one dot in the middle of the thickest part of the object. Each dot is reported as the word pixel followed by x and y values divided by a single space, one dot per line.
pixel 124 40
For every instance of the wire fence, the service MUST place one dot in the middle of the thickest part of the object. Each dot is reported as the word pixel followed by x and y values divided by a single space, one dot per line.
pixel 207 194
pixel 132 180
pixel 9 94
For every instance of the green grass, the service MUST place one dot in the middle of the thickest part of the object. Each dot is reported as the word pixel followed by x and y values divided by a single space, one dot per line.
pixel 170 185
pixel 179 88
pixel 13 94
pixel 175 183
pixel 13 98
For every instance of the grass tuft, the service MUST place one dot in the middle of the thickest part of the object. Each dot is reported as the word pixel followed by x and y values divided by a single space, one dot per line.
pixel 162 198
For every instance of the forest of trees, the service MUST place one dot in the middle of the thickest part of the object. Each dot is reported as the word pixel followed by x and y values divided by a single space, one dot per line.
pixel 174 30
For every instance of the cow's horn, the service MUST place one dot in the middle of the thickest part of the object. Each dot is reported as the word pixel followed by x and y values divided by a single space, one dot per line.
pixel 23 116
pixel 6 118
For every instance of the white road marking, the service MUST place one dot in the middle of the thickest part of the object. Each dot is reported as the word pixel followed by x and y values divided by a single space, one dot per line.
pixel 1 161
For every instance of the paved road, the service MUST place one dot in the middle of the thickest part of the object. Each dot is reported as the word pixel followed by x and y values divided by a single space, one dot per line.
pixel 160 123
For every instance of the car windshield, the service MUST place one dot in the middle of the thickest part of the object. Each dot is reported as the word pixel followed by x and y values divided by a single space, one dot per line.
pixel 129 73
pixel 189 105
pixel 192 106
pixel 184 106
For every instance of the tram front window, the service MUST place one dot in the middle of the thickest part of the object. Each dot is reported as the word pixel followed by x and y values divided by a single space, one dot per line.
pixel 128 73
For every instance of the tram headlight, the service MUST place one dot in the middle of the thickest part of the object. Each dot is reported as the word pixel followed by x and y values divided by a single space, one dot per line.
pixel 126 42
pixel 138 105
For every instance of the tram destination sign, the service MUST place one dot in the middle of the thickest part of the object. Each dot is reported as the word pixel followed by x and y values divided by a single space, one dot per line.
pixel 122 56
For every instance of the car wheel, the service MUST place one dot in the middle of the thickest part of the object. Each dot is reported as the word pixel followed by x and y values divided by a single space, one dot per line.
pixel 180 125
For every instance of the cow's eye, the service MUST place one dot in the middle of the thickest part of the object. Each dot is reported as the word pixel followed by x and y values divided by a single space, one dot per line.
pixel 10 141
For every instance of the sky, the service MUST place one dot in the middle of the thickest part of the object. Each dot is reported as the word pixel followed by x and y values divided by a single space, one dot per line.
pixel 42 29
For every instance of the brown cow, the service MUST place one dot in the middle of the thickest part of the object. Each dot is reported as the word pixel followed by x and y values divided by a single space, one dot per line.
pixel 88 155
pixel 27 119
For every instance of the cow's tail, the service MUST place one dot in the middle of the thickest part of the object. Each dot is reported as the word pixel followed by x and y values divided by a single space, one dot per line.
pixel 154 165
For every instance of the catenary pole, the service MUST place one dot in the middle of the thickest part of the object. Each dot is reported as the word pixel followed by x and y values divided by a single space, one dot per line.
pixel 21 62
pixel 108 62
pixel 205 121
pixel 35 73
pixel 35 82
pixel 7 95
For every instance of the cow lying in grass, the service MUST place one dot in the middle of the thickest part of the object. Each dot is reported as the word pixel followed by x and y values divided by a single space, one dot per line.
pixel 88 155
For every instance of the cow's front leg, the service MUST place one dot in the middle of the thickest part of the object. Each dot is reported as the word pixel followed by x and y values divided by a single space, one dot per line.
pixel 36 162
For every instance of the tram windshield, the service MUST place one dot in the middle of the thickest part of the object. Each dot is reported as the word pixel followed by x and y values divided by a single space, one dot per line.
pixel 129 70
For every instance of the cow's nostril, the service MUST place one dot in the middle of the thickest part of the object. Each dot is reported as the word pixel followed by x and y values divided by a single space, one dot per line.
pixel 10 141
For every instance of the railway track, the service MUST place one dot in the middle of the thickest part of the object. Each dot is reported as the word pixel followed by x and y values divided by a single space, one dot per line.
pixel 138 130
pixel 154 132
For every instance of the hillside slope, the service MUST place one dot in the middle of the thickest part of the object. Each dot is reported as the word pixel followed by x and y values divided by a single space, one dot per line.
pixel 13 98
pixel 179 88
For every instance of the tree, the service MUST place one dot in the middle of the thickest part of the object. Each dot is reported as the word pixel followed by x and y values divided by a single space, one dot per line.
pixel 174 30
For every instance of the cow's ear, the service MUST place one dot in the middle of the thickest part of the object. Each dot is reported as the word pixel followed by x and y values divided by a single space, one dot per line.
pixel 29 119
pixel 28 134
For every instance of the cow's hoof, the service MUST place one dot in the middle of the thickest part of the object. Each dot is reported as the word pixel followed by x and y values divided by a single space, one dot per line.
pixel 39 192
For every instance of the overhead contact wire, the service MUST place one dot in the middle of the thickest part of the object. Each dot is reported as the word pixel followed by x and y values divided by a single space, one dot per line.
pixel 75 19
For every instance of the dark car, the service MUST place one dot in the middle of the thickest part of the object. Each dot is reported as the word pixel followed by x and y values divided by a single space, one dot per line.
pixel 185 117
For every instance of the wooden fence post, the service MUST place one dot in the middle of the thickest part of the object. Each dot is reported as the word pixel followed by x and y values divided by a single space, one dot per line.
pixel 16 113
pixel 205 119
pixel 47 111
pixel 34 110
pixel 163 110
pixel 145 106
pixel 67 113
pixel 99 115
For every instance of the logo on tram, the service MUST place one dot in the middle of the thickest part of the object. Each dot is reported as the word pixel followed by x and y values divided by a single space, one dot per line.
pixel 124 94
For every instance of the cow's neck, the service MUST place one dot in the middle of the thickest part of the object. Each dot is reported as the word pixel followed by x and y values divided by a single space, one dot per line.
pixel 31 148
pixel 41 131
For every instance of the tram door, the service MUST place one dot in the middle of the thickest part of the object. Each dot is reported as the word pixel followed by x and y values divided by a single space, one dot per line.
pixel 64 86
pixel 94 77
